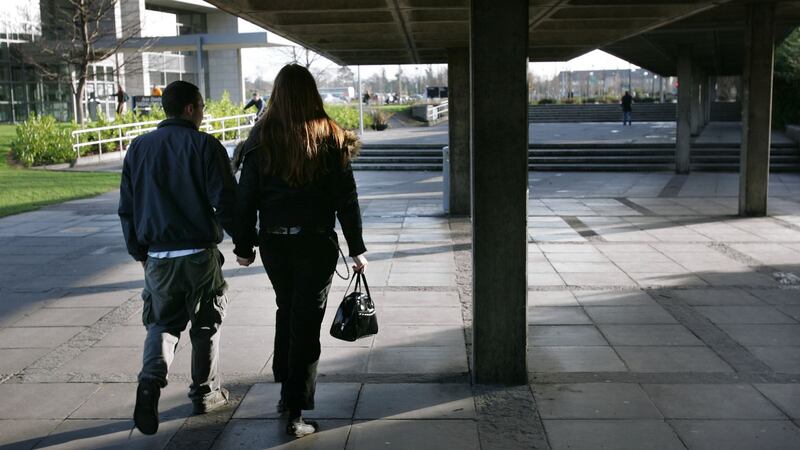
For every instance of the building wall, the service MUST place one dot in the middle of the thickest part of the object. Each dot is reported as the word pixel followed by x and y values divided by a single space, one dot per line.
pixel 136 74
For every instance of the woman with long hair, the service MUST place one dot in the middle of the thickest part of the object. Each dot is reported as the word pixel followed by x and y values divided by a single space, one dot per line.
pixel 297 175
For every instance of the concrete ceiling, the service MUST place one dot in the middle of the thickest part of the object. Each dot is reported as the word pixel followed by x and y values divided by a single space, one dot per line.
pixel 419 31
pixel 715 36
pixel 644 32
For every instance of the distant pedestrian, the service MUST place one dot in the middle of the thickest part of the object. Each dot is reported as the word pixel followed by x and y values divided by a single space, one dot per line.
pixel 256 101
pixel 122 98
pixel 297 176
pixel 176 195
pixel 627 108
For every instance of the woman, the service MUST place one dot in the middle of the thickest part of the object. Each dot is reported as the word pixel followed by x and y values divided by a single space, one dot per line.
pixel 297 174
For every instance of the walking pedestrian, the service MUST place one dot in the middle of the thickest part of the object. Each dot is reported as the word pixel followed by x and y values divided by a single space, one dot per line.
pixel 256 101
pixel 297 175
pixel 627 108
pixel 176 195
pixel 122 97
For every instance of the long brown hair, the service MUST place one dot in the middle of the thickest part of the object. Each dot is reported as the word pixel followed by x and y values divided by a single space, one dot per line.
pixel 296 133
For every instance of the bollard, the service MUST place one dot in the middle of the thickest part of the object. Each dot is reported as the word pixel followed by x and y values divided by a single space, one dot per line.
pixel 446 179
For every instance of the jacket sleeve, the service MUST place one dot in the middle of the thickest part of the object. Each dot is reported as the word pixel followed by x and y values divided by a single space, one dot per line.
pixel 349 212
pixel 249 104
pixel 220 184
pixel 247 206
pixel 125 210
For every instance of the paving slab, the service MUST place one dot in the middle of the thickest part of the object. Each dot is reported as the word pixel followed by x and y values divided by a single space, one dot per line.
pixel 24 434
pixel 594 401
pixel 613 298
pixel 43 400
pixel 707 401
pixel 265 433
pixel 557 315
pixel 332 401
pixel 574 359
pixel 629 314
pixel 408 434
pixel 389 360
pixel 415 401
pixel 107 434
pixel 782 359
pixel 565 335
pixel 659 359
pixel 785 396
pixel 612 435
pixel 649 335
pixel 117 400
pixel 737 434
pixel 59 317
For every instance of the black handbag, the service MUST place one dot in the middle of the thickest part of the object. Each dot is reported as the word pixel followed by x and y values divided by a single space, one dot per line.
pixel 356 316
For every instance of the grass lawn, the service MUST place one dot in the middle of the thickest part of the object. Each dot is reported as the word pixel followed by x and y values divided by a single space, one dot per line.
pixel 28 189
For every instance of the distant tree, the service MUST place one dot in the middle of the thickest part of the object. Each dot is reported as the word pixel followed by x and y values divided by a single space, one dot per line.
pixel 786 82
pixel 344 76
pixel 75 35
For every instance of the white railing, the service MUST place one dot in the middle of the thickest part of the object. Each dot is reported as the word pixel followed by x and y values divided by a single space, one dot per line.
pixel 437 112
pixel 124 133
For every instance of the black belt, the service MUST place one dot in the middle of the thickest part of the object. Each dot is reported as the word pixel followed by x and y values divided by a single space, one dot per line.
pixel 295 230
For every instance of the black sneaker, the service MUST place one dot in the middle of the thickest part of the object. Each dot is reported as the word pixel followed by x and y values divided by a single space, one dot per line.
pixel 145 413
pixel 216 401
pixel 300 427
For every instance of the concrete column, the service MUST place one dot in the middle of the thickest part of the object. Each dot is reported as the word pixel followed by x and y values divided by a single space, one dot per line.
pixel 696 117
pixel 458 124
pixel 759 49
pixel 137 74
pixel 683 139
pixel 499 189
pixel 224 66
pixel 709 94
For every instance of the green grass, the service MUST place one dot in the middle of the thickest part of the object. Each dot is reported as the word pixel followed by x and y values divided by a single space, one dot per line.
pixel 393 108
pixel 29 189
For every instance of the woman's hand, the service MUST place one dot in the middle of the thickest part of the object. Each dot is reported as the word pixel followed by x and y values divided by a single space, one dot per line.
pixel 360 262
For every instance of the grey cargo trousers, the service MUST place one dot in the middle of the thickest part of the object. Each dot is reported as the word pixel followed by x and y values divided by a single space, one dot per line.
pixel 177 291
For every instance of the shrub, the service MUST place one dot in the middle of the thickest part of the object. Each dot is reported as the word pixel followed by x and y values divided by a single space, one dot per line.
pixel 347 116
pixel 223 107
pixel 547 101
pixel 41 140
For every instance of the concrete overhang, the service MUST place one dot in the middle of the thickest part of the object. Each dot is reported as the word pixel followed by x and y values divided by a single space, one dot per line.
pixel 716 38
pixel 189 42
pixel 419 31
pixel 182 5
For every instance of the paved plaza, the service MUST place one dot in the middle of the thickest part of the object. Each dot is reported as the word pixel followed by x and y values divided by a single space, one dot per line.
pixel 657 319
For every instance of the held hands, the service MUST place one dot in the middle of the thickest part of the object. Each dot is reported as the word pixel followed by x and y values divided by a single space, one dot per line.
pixel 359 263
pixel 244 261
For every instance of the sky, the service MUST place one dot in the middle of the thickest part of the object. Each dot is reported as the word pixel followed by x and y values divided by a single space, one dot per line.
pixel 267 62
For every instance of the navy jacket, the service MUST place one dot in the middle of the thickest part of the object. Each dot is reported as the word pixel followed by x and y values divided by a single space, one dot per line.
pixel 177 190
pixel 315 205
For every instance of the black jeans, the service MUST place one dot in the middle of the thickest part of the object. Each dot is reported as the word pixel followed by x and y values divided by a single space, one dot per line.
pixel 176 291
pixel 300 268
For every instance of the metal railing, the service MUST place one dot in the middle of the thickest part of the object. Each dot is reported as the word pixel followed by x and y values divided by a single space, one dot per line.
pixel 437 112
pixel 124 133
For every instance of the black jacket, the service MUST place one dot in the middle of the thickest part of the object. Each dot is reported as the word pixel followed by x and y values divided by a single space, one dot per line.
pixel 177 190
pixel 315 205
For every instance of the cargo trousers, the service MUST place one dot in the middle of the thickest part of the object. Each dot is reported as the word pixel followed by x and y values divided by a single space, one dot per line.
pixel 178 291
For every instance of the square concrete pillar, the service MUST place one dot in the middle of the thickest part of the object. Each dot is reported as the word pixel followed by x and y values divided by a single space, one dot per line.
pixel 759 50
pixel 683 137
pixel 498 68
pixel 458 123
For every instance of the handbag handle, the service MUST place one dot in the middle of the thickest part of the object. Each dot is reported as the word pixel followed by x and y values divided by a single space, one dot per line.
pixel 361 276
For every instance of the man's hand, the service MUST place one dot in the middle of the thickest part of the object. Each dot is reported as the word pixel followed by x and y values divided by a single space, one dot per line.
pixel 359 263
pixel 244 261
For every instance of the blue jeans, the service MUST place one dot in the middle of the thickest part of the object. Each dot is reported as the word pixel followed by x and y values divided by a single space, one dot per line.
pixel 626 117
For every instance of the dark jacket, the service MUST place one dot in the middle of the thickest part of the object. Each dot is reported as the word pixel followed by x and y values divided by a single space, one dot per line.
pixel 258 103
pixel 626 102
pixel 177 190
pixel 315 205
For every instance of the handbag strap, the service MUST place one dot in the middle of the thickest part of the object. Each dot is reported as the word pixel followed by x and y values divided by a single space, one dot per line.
pixel 361 276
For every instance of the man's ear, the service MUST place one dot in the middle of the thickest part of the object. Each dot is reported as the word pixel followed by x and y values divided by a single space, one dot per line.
pixel 188 110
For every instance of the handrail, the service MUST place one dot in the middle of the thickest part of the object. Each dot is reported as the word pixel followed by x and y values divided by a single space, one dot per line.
pixel 436 112
pixel 128 131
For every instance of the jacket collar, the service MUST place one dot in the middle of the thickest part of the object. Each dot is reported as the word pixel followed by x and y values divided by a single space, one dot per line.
pixel 177 121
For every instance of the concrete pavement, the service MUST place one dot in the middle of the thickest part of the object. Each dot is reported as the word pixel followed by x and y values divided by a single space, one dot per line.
pixel 657 319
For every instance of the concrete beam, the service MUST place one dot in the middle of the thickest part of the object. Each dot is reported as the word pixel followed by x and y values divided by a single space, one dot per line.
pixel 759 49
pixel 458 123
pixel 683 138
pixel 499 190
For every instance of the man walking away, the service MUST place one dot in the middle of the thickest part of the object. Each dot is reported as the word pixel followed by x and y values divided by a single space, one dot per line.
pixel 176 195
pixel 627 101
pixel 256 101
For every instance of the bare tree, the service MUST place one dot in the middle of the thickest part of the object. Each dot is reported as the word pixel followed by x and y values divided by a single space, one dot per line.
pixel 75 35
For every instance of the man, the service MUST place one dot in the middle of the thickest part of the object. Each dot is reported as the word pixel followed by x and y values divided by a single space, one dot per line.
pixel 121 97
pixel 176 195
pixel 256 101
pixel 626 102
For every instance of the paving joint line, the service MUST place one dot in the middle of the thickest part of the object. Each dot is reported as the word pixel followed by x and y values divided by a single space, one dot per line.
pixel 782 278
pixel 582 229
pixel 635 206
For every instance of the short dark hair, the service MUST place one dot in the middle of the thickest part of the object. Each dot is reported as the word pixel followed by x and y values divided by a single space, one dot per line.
pixel 177 95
